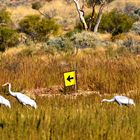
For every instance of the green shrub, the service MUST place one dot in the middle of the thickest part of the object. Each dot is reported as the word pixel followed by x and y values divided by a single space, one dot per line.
pixel 136 13
pixel 90 2
pixel 5 17
pixel 72 32
pixel 29 24
pixel 8 37
pixel 85 40
pixel 47 27
pixel 38 28
pixel 36 5
pixel 136 28
pixel 61 44
pixel 115 22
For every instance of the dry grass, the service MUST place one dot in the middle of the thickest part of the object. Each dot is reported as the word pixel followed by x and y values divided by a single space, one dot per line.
pixel 17 13
pixel 121 4
pixel 102 73
pixel 104 70
pixel 75 116
pixel 126 36
pixel 65 14
pixel 14 51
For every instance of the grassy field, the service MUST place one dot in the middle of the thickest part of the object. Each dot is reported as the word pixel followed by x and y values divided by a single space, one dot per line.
pixel 67 118
pixel 102 72
pixel 77 116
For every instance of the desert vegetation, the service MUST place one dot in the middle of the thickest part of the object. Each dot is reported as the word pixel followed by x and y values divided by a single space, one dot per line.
pixel 37 48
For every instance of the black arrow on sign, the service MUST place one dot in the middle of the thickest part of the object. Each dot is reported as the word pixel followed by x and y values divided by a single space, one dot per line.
pixel 69 78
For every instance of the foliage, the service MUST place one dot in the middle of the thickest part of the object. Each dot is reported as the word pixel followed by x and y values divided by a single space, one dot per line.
pixel 136 14
pixel 136 28
pixel 36 5
pixel 115 22
pixel 90 2
pixel 137 11
pixel 84 40
pixel 5 17
pixel 61 44
pixel 8 38
pixel 29 23
pixel 38 28
pixel 110 0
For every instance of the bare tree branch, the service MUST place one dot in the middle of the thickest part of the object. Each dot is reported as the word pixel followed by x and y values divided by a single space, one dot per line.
pixel 83 5
pixel 44 14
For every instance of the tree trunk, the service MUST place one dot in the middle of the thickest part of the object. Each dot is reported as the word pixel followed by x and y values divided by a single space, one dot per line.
pixel 81 14
pixel 91 20
pixel 99 18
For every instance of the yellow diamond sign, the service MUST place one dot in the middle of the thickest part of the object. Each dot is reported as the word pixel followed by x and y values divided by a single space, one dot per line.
pixel 69 78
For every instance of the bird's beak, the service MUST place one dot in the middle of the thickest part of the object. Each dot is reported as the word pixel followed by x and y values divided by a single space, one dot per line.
pixel 4 85
pixel 101 102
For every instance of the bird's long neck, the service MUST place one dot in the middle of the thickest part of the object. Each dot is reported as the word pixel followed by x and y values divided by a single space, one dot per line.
pixel 11 91
pixel 107 100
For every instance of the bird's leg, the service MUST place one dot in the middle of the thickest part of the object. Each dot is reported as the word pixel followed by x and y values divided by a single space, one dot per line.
pixel 119 103
pixel 28 107
pixel 22 105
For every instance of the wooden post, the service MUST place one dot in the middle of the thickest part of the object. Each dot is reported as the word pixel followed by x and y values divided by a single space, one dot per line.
pixel 75 86
pixel 70 79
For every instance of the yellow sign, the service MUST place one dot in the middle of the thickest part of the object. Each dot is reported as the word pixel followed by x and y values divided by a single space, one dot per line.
pixel 69 78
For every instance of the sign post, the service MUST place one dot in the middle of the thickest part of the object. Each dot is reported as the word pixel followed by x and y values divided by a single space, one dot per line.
pixel 70 79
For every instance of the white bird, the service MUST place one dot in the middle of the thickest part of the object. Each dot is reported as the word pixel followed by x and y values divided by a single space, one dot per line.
pixel 25 100
pixel 121 100
pixel 5 102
